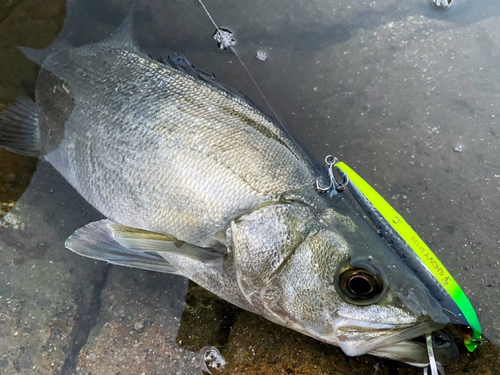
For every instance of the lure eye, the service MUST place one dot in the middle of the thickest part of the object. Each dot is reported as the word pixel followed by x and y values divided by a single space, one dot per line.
pixel 359 285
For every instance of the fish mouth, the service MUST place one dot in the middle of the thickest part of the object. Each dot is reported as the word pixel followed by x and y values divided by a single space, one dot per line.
pixel 414 352
pixel 398 342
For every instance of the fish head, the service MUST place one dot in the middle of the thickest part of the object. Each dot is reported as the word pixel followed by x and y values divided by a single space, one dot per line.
pixel 332 277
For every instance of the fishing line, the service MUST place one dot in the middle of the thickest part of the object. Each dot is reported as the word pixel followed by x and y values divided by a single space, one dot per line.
pixel 430 353
pixel 260 91
pixel 246 68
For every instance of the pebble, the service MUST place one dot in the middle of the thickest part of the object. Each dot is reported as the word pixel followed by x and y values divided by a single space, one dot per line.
pixel 139 326
pixel 211 359
pixel 261 55
pixel 224 38
pixel 442 3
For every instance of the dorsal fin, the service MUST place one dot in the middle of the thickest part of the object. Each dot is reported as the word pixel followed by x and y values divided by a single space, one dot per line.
pixel 123 36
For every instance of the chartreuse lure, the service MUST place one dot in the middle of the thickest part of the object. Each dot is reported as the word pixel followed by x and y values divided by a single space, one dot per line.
pixel 412 250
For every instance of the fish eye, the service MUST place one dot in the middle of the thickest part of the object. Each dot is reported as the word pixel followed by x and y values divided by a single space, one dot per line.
pixel 359 285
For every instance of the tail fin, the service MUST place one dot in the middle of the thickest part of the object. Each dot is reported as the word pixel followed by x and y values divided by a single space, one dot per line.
pixel 19 127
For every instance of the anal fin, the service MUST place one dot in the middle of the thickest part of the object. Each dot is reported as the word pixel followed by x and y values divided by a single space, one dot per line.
pixel 95 240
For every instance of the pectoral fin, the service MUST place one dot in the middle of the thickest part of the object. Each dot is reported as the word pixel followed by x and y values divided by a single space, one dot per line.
pixel 96 241
pixel 142 240
pixel 133 247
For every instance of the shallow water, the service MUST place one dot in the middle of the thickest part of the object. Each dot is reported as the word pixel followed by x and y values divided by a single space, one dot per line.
pixel 405 93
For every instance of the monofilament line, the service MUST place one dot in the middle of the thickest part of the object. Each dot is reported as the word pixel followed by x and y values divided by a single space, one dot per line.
pixel 430 353
pixel 258 88
pixel 245 67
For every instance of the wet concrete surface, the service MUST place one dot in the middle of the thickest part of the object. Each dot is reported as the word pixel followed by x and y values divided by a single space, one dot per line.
pixel 390 89
pixel 137 327
pixel 47 302
pixel 21 24
pixel 14 178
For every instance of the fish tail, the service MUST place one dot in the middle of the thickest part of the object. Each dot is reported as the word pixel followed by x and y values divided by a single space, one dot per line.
pixel 19 131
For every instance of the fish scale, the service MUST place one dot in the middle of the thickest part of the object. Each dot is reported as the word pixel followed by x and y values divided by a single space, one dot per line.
pixel 159 118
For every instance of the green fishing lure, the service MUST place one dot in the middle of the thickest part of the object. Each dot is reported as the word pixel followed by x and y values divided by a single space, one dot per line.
pixel 414 252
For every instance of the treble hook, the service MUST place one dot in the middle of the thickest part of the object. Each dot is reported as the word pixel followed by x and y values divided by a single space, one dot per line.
pixel 330 162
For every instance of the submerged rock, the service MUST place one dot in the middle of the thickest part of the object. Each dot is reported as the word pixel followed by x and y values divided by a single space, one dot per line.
pixel 47 303
pixel 137 326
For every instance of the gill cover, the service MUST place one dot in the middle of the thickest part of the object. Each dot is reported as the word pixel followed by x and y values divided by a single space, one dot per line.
pixel 265 239
pixel 412 250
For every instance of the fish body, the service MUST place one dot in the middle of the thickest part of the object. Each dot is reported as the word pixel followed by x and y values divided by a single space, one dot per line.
pixel 194 179
pixel 224 157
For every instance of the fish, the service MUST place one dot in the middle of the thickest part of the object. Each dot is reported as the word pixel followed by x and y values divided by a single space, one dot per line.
pixel 195 179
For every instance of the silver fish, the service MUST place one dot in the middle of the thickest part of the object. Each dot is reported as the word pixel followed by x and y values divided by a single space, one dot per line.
pixel 194 179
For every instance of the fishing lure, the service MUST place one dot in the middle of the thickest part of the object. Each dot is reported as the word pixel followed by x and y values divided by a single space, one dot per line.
pixel 409 247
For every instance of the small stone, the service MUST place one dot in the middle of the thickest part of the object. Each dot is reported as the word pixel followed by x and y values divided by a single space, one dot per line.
pixel 224 38
pixel 139 326
pixel 210 357
pixel 16 333
pixel 261 55
pixel 442 3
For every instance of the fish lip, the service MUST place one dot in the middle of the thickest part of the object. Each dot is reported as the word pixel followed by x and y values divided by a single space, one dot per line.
pixel 402 333
pixel 415 353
